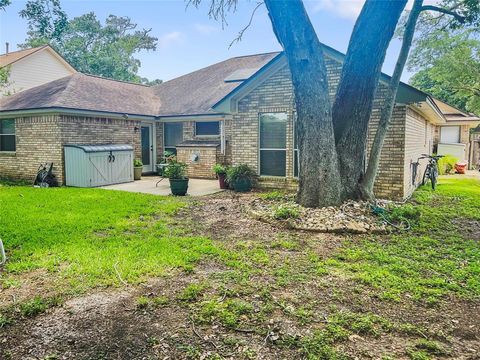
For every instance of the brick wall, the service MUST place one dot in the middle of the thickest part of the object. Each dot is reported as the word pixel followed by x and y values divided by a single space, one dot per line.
pixel 40 139
pixel 276 95
pixel 37 141
pixel 207 158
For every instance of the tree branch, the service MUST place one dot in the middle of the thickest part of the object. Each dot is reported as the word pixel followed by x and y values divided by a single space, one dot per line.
pixel 456 15
pixel 240 34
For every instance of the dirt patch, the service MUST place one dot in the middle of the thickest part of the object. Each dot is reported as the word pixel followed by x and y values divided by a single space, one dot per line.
pixel 269 302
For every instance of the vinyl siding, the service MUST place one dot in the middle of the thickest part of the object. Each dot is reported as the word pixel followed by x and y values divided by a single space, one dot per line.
pixel 36 69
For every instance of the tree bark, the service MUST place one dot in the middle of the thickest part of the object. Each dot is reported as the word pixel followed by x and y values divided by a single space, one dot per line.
pixel 319 179
pixel 366 185
pixel 361 72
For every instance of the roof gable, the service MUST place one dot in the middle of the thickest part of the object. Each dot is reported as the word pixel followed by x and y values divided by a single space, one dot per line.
pixel 16 56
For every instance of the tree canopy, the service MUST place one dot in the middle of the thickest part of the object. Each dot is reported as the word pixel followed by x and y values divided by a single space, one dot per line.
pixel 88 45
pixel 446 55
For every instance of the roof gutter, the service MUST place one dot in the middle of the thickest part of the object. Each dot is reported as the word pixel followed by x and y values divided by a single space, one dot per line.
pixel 77 112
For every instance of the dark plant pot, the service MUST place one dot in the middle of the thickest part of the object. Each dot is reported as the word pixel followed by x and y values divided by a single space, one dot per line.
pixel 179 187
pixel 242 185
pixel 137 173
pixel 222 180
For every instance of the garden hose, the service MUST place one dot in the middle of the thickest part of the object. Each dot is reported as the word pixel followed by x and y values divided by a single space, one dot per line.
pixel 3 258
pixel 383 213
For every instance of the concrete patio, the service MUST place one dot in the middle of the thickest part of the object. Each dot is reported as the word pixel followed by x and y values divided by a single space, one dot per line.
pixel 196 187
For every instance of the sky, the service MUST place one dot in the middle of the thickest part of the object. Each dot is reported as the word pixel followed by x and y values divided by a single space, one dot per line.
pixel 189 40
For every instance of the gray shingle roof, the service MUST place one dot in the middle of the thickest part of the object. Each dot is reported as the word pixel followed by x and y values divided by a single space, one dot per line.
pixel 197 92
pixel 194 93
pixel 85 92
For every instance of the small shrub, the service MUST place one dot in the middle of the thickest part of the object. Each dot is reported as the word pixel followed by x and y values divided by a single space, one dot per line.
pixel 160 301
pixel 143 302
pixel 175 170
pixel 284 212
pixel 5 320
pixel 37 305
pixel 191 292
pixel 274 195
pixel 219 169
pixel 446 164
pixel 240 172
pixel 137 163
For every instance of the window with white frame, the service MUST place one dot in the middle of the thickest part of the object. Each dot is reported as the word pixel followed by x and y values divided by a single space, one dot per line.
pixel 172 136
pixel 207 128
pixel 7 135
pixel 273 144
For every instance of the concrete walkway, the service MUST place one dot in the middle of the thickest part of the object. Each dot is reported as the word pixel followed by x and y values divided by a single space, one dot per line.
pixel 196 187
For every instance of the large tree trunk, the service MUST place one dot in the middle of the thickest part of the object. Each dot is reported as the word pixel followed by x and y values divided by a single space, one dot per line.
pixel 319 180
pixel 352 109
pixel 366 185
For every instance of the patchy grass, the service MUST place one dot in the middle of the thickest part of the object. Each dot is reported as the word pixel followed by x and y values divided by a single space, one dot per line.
pixel 431 261
pixel 93 237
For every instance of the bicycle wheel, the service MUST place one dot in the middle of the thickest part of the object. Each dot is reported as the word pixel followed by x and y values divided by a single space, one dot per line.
pixel 426 176
pixel 434 178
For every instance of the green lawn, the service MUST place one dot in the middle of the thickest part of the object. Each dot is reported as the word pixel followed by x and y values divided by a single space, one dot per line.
pixel 436 258
pixel 86 235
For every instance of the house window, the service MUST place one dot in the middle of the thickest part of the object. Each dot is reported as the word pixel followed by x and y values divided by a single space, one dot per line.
pixel 450 134
pixel 7 135
pixel 273 144
pixel 172 136
pixel 207 128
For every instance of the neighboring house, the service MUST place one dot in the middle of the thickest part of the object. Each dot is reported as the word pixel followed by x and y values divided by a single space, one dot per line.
pixel 33 67
pixel 241 110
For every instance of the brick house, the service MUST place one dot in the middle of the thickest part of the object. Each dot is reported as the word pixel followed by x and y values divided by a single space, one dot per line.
pixel 241 110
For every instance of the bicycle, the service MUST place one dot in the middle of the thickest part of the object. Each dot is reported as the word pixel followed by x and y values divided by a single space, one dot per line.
pixel 431 172
pixel 45 176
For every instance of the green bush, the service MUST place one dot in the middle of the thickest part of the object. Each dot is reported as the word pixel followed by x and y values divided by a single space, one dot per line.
pixel 286 211
pixel 137 163
pixel 219 169
pixel 240 172
pixel 446 164
pixel 175 170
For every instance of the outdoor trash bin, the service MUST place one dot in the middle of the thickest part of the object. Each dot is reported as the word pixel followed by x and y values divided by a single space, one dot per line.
pixel 460 167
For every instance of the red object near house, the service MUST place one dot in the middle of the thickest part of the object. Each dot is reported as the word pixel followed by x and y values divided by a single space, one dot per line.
pixel 460 168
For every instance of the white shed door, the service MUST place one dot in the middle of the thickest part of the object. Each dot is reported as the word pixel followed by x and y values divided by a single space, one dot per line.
pixel 100 169
pixel 450 134
pixel 122 167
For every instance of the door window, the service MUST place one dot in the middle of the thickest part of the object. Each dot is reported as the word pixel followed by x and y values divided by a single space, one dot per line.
pixel 146 145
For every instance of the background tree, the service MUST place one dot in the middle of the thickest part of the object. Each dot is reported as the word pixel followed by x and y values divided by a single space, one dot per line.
pixel 4 4
pixel 5 83
pixel 88 45
pixel 448 67
pixel 453 14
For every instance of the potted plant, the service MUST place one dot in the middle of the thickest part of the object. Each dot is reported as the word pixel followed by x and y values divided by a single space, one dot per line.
pixel 175 172
pixel 241 177
pixel 164 160
pixel 137 169
pixel 221 172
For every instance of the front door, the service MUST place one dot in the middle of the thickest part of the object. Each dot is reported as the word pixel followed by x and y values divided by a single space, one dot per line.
pixel 147 148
